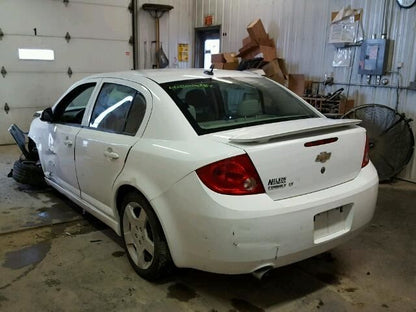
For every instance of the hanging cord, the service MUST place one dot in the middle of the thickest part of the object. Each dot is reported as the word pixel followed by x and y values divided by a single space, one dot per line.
pixel 398 86
pixel 351 70
pixel 399 80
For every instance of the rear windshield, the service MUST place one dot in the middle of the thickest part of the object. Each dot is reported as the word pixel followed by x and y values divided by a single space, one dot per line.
pixel 218 104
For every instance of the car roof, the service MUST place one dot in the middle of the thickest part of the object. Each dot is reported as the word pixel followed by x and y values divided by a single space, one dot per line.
pixel 173 74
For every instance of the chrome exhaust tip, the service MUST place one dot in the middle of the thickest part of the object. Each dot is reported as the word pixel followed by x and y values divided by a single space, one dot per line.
pixel 260 273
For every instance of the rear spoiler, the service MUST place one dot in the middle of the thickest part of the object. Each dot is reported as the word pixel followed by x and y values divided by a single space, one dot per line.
pixel 268 132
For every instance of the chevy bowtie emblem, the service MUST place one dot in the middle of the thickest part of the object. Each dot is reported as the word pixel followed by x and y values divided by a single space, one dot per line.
pixel 323 157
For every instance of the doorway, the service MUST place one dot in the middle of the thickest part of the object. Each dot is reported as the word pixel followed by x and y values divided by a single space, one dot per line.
pixel 207 42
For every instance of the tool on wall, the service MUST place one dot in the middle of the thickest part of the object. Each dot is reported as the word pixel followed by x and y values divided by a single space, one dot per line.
pixel 156 11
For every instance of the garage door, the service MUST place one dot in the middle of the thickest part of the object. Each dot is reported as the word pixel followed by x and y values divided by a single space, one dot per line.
pixel 86 37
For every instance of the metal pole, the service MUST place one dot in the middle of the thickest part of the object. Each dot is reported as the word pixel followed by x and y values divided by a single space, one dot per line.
pixel 157 42
pixel 134 34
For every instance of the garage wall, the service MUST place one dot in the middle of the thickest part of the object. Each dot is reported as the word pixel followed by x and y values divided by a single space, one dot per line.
pixel 300 28
pixel 176 26
pixel 99 30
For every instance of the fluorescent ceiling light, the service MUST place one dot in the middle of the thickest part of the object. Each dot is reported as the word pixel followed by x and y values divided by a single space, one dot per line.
pixel 36 54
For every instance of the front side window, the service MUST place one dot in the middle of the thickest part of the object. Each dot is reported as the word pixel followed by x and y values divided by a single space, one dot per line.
pixel 217 104
pixel 118 109
pixel 71 108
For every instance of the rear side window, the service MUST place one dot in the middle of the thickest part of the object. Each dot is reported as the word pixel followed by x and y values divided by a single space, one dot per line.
pixel 118 109
pixel 215 104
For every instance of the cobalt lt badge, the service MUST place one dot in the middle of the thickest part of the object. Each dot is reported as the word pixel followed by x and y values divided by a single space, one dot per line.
pixel 323 157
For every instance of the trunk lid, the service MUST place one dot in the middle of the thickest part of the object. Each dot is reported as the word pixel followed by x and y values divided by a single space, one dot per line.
pixel 301 156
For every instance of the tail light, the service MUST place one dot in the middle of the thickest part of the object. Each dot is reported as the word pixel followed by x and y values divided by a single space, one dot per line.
pixel 233 176
pixel 366 158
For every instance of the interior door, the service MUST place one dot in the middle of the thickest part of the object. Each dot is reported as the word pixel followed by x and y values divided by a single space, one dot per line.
pixel 207 42
pixel 115 125
pixel 68 115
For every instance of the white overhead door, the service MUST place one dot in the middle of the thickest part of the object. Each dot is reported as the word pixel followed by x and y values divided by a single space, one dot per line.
pixel 97 41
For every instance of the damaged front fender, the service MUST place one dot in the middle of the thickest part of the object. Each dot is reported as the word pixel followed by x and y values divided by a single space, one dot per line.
pixel 25 144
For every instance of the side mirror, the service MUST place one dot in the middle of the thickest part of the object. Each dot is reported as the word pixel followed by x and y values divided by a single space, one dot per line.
pixel 47 115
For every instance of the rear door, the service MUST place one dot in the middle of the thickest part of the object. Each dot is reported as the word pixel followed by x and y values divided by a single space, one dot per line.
pixel 115 125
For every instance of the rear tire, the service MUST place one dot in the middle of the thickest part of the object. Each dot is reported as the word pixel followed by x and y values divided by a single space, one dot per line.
pixel 143 238
pixel 28 172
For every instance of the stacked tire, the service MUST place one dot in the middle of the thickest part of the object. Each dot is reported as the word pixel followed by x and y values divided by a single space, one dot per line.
pixel 28 172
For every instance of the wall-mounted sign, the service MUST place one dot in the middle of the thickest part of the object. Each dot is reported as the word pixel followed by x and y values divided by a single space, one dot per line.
pixel 183 52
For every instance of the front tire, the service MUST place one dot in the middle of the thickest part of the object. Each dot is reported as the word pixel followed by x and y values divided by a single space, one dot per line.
pixel 143 238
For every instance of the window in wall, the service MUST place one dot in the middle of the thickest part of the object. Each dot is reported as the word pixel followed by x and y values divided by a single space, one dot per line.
pixel 36 54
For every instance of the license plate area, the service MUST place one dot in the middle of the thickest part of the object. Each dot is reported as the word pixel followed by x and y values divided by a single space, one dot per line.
pixel 332 223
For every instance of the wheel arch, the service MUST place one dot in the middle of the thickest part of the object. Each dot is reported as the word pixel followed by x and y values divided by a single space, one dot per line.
pixel 121 193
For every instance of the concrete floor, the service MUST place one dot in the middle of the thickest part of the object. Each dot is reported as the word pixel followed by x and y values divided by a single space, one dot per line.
pixel 53 258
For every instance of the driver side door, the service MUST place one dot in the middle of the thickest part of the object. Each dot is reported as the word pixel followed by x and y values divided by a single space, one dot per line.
pixel 67 119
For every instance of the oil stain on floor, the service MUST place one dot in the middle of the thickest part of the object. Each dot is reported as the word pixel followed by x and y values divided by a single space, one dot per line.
pixel 245 306
pixel 26 256
pixel 181 292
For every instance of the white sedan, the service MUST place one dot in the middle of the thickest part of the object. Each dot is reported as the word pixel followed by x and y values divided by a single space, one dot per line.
pixel 225 172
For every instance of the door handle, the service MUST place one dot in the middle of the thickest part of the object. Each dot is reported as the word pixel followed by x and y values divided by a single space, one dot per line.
pixel 110 154
pixel 68 143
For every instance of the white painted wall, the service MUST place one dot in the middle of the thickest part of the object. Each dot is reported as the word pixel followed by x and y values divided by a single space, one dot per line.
pixel 300 29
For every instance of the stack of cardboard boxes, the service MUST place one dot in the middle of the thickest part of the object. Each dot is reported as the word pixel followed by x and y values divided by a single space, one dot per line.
pixel 224 61
pixel 257 44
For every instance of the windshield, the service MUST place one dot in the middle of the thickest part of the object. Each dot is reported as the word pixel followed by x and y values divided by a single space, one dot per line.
pixel 217 104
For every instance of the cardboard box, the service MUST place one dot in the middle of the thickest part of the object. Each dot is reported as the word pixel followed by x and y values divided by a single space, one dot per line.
pixel 256 31
pixel 247 48
pixel 282 65
pixel 357 15
pixel 296 84
pixel 230 57
pixel 271 68
pixel 231 66
pixel 267 53
pixel 267 42
pixel 344 27
pixel 218 65
pixel 217 58
pixel 273 71
pixel 246 40
pixel 278 78
pixel 345 106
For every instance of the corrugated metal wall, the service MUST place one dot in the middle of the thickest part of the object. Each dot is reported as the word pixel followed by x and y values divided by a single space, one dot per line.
pixel 300 29
pixel 175 27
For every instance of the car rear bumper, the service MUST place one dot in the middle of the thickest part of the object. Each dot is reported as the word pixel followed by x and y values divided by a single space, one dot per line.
pixel 241 234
